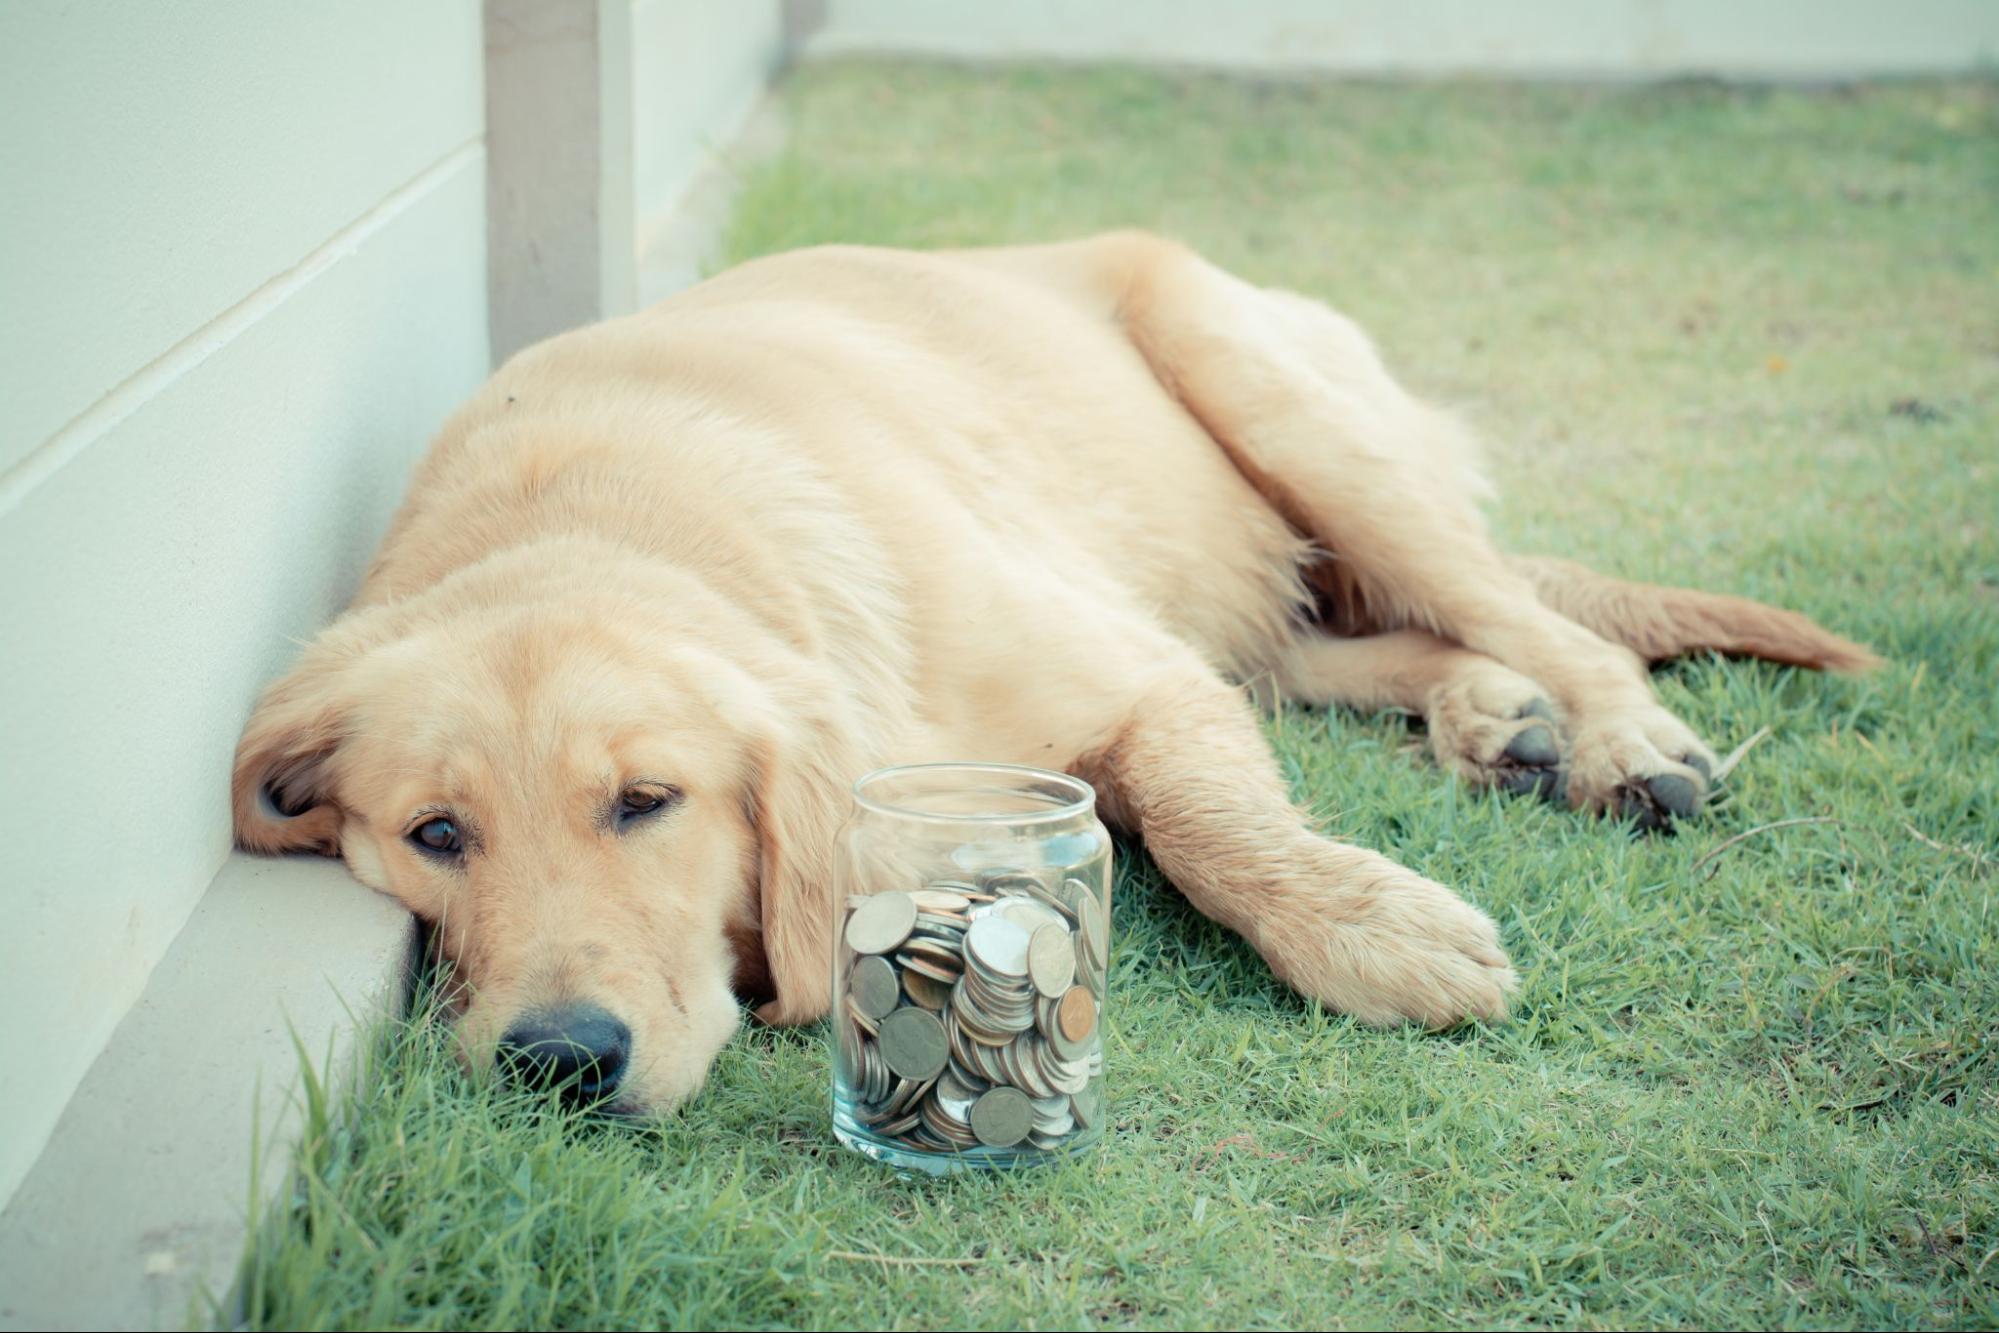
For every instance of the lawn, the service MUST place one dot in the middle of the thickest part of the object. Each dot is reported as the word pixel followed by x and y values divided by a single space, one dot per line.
pixel 1739 338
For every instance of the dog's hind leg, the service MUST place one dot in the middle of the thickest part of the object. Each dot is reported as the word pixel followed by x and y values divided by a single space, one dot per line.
pixel 1488 723
pixel 1298 399
pixel 1186 767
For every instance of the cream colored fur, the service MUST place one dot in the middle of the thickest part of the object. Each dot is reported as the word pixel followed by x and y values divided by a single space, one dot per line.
pixel 845 508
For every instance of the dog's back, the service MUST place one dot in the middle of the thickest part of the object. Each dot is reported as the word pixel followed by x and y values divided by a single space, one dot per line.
pixel 913 422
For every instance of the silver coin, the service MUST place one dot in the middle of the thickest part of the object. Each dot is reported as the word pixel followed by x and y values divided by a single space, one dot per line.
pixel 997 946
pixel 881 923
pixel 902 1126
pixel 1092 930
pixel 1051 960
pixel 873 986
pixel 1051 898
pixel 861 1018
pixel 913 1044
pixel 1002 1117
pixel 852 1057
pixel 965 1078
pixel 1031 915
pixel 943 902
pixel 879 1079
pixel 953 1094
pixel 1088 1104
pixel 913 1094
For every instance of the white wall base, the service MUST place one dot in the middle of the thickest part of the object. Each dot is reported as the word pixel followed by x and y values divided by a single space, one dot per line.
pixel 135 1212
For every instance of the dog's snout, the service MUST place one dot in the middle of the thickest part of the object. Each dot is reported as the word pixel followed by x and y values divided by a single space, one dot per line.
pixel 578 1049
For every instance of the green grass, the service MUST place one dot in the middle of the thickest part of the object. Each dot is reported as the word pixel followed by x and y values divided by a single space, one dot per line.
pixel 1754 1089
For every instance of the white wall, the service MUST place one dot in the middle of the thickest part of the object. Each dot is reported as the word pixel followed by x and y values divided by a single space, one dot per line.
pixel 1611 38
pixel 242 279
pixel 698 68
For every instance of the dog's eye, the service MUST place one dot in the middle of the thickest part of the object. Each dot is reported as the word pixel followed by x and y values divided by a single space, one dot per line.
pixel 638 802
pixel 439 837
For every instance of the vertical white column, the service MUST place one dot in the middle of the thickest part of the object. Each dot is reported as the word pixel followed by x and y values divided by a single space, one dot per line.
pixel 559 166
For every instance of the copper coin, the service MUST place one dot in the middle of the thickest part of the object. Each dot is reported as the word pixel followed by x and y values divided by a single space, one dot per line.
pixel 1077 1015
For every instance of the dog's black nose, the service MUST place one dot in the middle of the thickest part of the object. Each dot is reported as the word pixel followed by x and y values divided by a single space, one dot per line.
pixel 578 1049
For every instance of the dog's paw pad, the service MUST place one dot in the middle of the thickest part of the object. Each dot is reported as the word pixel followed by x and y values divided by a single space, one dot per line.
pixel 1547 783
pixel 1653 803
pixel 1534 746
pixel 1678 795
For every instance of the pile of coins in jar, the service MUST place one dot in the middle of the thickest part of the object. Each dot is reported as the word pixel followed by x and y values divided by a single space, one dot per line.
pixel 968 1013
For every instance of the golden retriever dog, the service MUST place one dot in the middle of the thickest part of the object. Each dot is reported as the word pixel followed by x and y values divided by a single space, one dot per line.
pixel 667 585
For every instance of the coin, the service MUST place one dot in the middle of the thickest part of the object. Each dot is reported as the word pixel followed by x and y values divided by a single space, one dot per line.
pixel 1092 927
pixel 1077 1014
pixel 939 955
pixel 902 1126
pixel 998 946
pixel 925 990
pixel 1052 899
pixel 1031 914
pixel 873 986
pixel 909 1095
pixel 871 1080
pixel 1051 960
pixel 863 1020
pixel 881 923
pixel 1002 1117
pixel 999 1046
pixel 913 1043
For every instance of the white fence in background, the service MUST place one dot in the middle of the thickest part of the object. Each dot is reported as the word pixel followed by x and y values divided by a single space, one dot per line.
pixel 1799 39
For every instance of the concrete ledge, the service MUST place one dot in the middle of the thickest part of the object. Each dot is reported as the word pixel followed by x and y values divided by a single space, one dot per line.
pixel 137 1207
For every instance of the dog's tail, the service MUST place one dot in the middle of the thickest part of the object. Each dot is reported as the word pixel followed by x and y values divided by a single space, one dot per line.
pixel 1658 622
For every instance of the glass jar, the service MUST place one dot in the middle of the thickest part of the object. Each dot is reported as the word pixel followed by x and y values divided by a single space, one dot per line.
pixel 970 947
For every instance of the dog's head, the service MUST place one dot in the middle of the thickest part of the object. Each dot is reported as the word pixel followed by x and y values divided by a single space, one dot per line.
pixel 617 818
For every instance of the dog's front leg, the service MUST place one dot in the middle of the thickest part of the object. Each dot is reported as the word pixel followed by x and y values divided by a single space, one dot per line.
pixel 1188 770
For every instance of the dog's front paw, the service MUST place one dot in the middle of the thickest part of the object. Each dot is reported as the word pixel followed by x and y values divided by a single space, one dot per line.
pixel 1392 947
pixel 1642 763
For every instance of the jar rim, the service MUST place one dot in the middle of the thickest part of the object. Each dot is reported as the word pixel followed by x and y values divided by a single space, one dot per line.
pixel 1082 796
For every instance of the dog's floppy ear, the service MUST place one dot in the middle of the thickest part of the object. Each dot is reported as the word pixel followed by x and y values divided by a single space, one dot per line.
pixel 800 793
pixel 281 791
